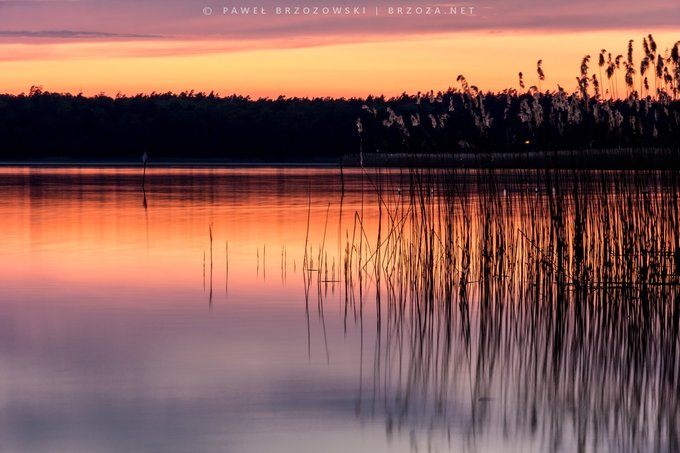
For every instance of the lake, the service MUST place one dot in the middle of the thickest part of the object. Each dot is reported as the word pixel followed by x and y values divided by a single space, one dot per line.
pixel 309 309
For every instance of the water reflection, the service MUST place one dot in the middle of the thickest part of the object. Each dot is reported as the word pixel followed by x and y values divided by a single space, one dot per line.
pixel 547 318
pixel 436 311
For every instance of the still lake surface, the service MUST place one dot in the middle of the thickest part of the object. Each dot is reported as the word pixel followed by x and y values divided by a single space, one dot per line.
pixel 216 310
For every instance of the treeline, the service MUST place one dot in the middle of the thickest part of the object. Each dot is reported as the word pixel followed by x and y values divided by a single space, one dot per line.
pixel 204 126
pixel 187 125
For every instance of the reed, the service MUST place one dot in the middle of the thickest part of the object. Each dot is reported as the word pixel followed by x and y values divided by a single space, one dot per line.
pixel 226 268
pixel 468 120
pixel 210 294
pixel 548 297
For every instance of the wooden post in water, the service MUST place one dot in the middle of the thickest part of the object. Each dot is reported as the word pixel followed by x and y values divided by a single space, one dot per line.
pixel 145 158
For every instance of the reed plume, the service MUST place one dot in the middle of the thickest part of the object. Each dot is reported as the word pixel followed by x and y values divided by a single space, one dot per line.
pixel 541 74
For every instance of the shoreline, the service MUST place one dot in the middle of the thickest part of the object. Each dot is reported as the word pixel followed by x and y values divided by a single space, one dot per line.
pixel 592 159
pixel 169 163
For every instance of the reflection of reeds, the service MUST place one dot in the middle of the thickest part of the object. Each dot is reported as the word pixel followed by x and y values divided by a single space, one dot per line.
pixel 226 272
pixel 549 298
pixel 210 296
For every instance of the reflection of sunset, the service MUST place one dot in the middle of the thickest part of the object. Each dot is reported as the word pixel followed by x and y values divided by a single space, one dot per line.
pixel 467 296
pixel 88 230
pixel 87 234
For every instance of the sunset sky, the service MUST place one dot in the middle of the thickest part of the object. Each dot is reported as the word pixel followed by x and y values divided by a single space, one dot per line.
pixel 126 46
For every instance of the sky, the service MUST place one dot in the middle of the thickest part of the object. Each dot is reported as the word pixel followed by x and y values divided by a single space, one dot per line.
pixel 339 48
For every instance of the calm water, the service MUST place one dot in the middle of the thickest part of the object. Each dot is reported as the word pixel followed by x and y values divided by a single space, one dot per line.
pixel 249 310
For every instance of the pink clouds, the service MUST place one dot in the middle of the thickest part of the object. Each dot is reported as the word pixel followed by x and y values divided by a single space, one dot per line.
pixel 27 20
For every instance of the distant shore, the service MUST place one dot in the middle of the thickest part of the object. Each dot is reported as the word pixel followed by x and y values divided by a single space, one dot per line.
pixel 164 163
pixel 617 158
pixel 629 158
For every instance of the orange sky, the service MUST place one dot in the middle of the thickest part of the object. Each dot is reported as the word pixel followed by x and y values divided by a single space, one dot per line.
pixel 379 65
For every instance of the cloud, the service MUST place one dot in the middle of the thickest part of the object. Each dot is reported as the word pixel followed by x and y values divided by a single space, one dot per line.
pixel 69 34
pixel 61 20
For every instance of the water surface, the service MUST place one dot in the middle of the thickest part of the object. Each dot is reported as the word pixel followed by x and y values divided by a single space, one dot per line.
pixel 250 310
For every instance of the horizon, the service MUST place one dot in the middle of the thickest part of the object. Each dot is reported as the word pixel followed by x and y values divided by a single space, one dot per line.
pixel 93 47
